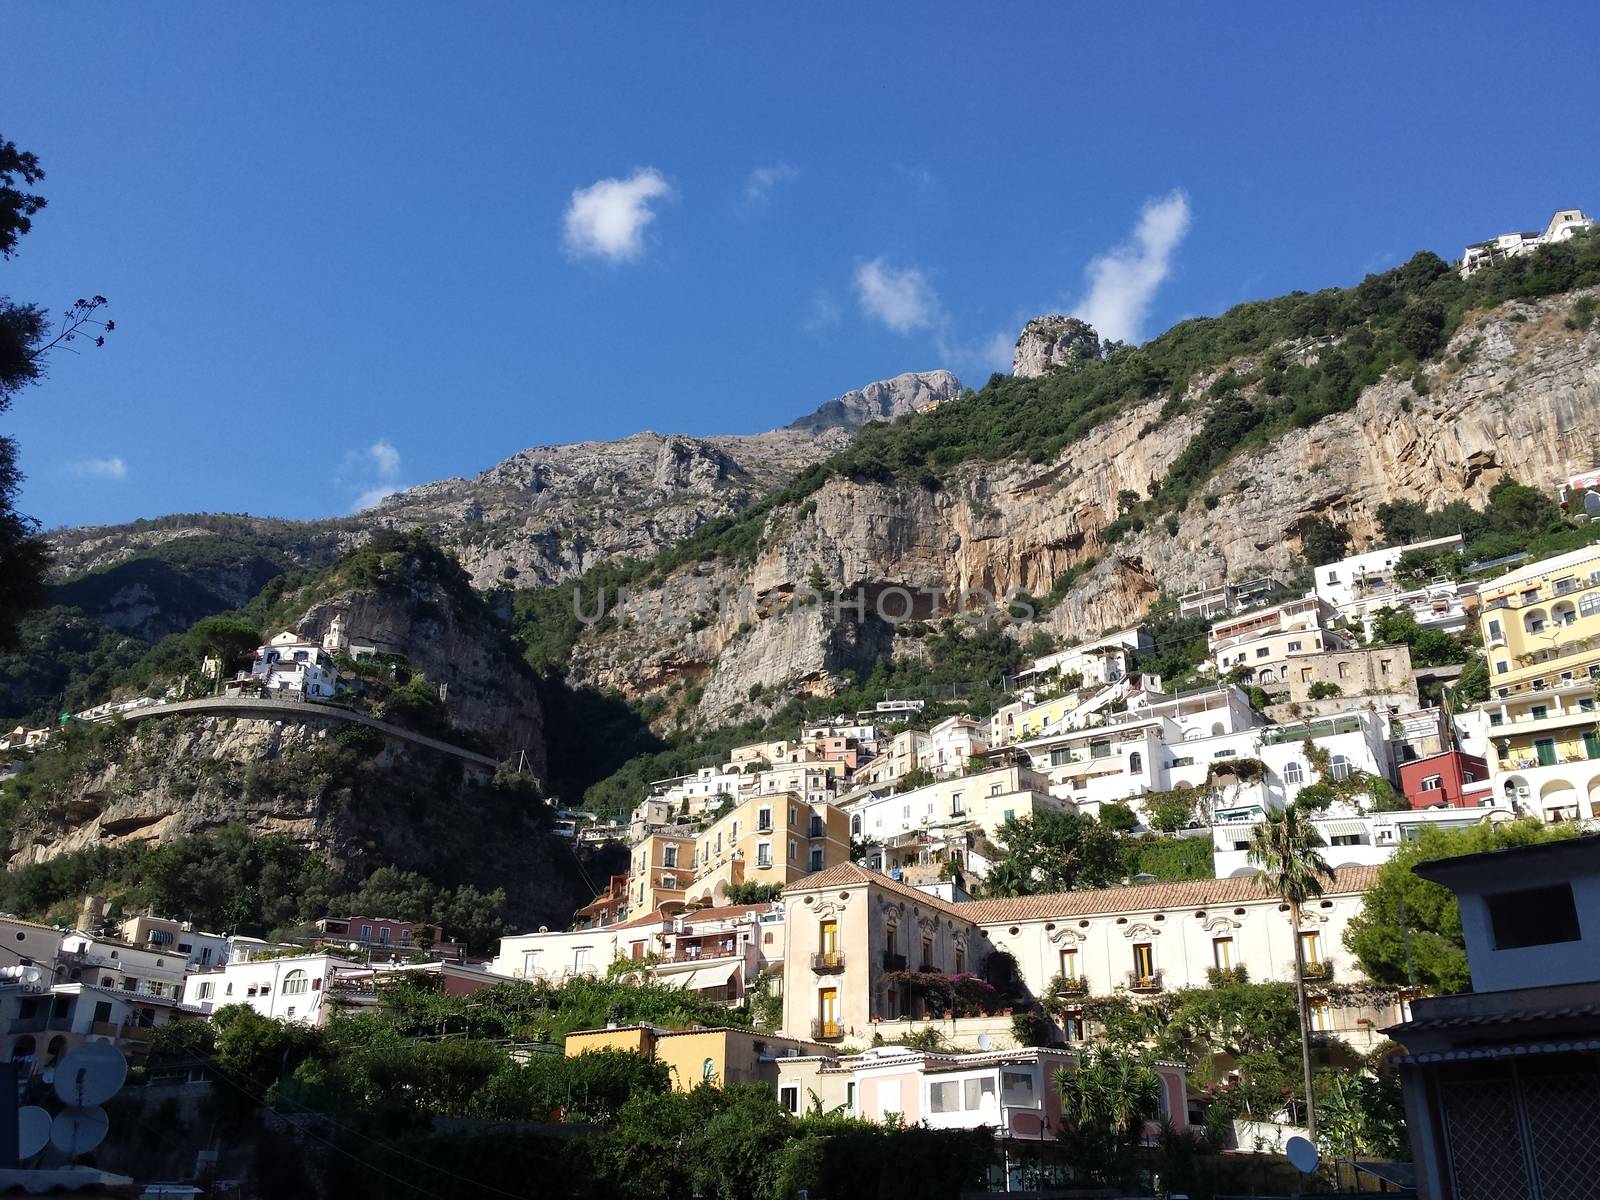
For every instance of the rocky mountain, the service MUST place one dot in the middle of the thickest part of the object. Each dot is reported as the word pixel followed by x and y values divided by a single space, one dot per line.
pixel 1047 343
pixel 1516 391
pixel 543 515
pixel 882 401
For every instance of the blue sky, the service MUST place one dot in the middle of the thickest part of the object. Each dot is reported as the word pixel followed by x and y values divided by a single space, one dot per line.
pixel 355 248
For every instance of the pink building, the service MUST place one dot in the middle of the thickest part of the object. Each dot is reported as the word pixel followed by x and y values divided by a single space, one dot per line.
pixel 385 933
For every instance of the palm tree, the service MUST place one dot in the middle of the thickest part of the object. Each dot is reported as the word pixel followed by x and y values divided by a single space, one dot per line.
pixel 1107 1098
pixel 1284 847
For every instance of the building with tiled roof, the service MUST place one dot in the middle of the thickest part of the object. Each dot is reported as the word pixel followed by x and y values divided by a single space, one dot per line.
pixel 858 941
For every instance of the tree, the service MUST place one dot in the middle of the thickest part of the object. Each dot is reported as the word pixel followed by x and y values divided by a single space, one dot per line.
pixel 1408 932
pixel 25 342
pixel 1118 817
pixel 1321 541
pixel 1107 1098
pixel 1054 852
pixel 1284 847
pixel 1171 812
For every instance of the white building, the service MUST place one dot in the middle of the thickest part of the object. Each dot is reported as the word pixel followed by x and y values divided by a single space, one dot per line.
pixel 114 965
pixel 1227 597
pixel 291 988
pixel 1102 661
pixel 292 666
pixel 952 743
pixel 166 936
pixel 1565 223
pixel 1358 586
pixel 950 820
pixel 1349 840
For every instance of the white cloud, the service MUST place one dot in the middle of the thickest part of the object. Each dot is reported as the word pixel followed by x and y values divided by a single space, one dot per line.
pixel 374 472
pixel 100 468
pixel 762 180
pixel 607 219
pixel 1123 282
pixel 902 299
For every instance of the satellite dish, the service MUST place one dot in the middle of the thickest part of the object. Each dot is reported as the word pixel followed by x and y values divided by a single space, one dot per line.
pixel 32 975
pixel 1302 1154
pixel 33 1130
pixel 91 1074
pixel 984 1041
pixel 78 1130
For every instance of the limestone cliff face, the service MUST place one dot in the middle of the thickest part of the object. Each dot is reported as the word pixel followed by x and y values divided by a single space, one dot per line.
pixel 362 805
pixel 1048 343
pixel 1517 393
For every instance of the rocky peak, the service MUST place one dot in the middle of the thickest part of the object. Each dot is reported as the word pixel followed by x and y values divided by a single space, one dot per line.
pixel 882 401
pixel 1048 343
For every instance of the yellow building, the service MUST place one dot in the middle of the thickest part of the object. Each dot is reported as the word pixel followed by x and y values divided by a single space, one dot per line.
pixel 766 839
pixel 718 1056
pixel 1541 638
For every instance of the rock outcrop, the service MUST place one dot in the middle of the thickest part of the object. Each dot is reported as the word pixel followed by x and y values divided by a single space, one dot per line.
pixel 883 401
pixel 1050 343
pixel 1517 393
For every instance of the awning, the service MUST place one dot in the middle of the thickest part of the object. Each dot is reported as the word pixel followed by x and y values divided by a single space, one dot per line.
pixel 1333 829
pixel 702 979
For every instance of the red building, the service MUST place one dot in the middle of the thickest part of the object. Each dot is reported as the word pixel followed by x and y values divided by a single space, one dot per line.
pixel 1451 780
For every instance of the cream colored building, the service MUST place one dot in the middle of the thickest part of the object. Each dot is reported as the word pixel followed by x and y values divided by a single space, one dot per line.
pixel 1260 643
pixel 850 929
pixel 1382 671
pixel 768 839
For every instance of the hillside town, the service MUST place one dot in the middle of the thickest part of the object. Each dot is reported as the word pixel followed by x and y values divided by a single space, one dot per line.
pixel 858 885
pixel 844 604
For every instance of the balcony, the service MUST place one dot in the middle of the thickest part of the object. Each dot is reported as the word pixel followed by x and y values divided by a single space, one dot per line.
pixel 1071 985
pixel 826 1031
pixel 1144 984
pixel 825 962
pixel 893 961
pixel 1317 972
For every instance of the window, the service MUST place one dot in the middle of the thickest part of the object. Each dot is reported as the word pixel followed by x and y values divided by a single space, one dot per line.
pixel 789 1097
pixel 855 824
pixel 366 932
pixel 1072 1025
pixel 1539 916
pixel 102 1013
pixel 1318 1014
pixel 1539 712
pixel 1225 754
pixel 978 1094
pixel 1069 962
pixel 944 1097
pixel 580 959
pixel 1495 632
pixel 994 789
pixel 1500 667
pixel 816 861
pixel 1263 651
pixel 1060 756
pixel 927 954
pixel 708 1069
pixel 1589 603
pixel 203 992
pixel 961 961
pixel 828 941
pixel 763 820
pixel 1017 1088
pixel 295 983
pixel 1294 646
pixel 1433 783
pixel 1293 772
pixel 1222 953
pixel 1311 947
pixel 669 856
pixel 763 854
pixel 850 1096
pixel 1135 763
pixel 383 934
pixel 957 808
pixel 1344 670
pixel 1340 767
pixel 792 849
pixel 1144 961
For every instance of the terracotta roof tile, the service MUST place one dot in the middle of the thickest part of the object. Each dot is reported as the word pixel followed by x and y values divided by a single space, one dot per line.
pixel 1147 896
pixel 1135 898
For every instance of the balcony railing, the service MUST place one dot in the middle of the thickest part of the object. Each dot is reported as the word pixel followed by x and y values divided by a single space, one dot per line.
pixel 826 1031
pixel 893 961
pixel 1317 971
pixel 1072 985
pixel 1144 983
pixel 827 960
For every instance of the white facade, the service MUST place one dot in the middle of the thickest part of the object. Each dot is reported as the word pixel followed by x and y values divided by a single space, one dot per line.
pixel 1563 224
pixel 952 743
pixel 116 966
pixel 293 988
pixel 1352 840
pixel 293 666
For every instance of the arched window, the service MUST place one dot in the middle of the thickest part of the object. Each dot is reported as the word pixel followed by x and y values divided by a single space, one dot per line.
pixel 296 983
pixel 708 1069
pixel 1293 772
pixel 1135 763
pixel 1340 768
pixel 54 1051
pixel 1533 621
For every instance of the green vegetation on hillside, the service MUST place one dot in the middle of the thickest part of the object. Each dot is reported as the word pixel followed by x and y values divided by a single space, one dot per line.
pixel 1427 948
pixel 229 881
